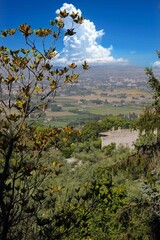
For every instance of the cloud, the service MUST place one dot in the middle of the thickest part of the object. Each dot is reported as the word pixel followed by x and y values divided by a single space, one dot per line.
pixel 83 45
pixel 156 64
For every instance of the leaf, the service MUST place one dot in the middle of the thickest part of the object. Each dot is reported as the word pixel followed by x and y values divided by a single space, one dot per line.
pixel 64 139
pixel 32 67
pixel 40 77
pixel 13 117
pixel 158 53
pixel 75 78
pixel 55 35
pixel 72 65
pixel 61 72
pixel 54 72
pixel 54 164
pixel 10 79
pixel 70 32
pixel 65 70
pixel 68 130
pixel 42 32
pixel 26 90
pixel 44 107
pixel 5 58
pixel 4 33
pixel 38 89
pixel 63 13
pixel 20 62
pixel 49 78
pixel 52 22
pixel 1 110
pixel 25 51
pixel 71 78
pixel 85 66
pixel 22 76
pixel 12 31
pixel 47 66
pixel 56 188
pixel 51 53
pixel 74 15
pixel 25 29
pixel 79 20
pixel 8 32
pixel 59 22
pixel 21 104
pixel 53 85
pixel 67 79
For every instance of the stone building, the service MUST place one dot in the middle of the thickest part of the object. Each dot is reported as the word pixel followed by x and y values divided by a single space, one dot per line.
pixel 125 137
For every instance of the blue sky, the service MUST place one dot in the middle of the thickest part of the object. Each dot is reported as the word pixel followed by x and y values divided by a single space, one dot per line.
pixel 131 28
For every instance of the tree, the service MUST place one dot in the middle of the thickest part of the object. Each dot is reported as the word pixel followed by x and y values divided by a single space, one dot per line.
pixel 27 81
pixel 152 112
pixel 92 129
pixel 149 122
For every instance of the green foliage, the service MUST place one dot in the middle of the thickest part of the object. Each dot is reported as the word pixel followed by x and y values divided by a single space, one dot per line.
pixel 92 129
pixel 147 143
pixel 108 150
pixel 55 108
pixel 95 206
pixel 149 121
pixel 152 113
pixel 115 122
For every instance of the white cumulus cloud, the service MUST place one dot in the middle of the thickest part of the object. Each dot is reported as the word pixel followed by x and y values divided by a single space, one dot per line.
pixel 83 45
pixel 156 64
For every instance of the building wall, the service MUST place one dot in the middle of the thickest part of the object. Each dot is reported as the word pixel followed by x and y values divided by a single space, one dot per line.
pixel 124 137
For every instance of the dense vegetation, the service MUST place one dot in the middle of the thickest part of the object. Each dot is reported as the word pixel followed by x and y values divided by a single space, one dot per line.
pixel 59 183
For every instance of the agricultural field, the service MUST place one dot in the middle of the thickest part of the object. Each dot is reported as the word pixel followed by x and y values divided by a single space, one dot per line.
pixel 102 91
pixel 76 110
